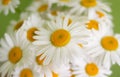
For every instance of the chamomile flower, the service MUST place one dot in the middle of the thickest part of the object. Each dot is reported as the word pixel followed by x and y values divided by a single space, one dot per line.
pixel 26 71
pixel 105 48
pixel 14 52
pixel 60 40
pixel 31 25
pixel 16 25
pixel 97 25
pixel 103 16
pixel 85 68
pixel 40 6
pixel 89 7
pixel 8 5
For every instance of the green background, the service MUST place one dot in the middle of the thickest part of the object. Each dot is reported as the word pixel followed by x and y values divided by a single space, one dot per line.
pixel 115 5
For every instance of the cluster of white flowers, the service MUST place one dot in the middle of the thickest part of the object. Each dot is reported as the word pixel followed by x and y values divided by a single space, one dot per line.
pixel 59 38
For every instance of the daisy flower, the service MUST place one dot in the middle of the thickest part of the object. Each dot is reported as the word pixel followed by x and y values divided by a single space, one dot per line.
pixel 97 25
pixel 60 40
pixel 103 16
pixel 26 71
pixel 16 25
pixel 40 6
pixel 85 68
pixel 8 5
pixel 105 48
pixel 31 25
pixel 89 7
pixel 14 52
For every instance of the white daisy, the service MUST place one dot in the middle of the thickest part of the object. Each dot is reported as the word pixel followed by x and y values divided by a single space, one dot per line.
pixel 97 26
pixel 14 52
pixel 40 6
pixel 8 5
pixel 26 71
pixel 60 40
pixel 32 24
pixel 89 7
pixel 105 48
pixel 85 68
pixel 103 16
pixel 16 25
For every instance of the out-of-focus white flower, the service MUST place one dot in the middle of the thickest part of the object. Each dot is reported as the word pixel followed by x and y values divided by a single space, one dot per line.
pixel 16 25
pixel 8 5
pixel 32 24
pixel 89 7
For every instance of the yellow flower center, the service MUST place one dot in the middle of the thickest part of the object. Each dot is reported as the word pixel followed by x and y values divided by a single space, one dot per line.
pixel 43 8
pixel 31 33
pixel 100 14
pixel 93 24
pixel 54 74
pixel 54 13
pixel 39 62
pixel 88 3
pixel 6 2
pixel 109 43
pixel 26 73
pixel 60 38
pixel 91 69
pixel 65 1
pixel 15 54
pixel 18 25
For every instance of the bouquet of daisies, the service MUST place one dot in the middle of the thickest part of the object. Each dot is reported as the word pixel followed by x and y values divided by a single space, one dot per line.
pixel 59 38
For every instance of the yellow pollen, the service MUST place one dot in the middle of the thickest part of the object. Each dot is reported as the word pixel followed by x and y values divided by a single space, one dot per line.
pixel 54 13
pixel 60 38
pixel 65 1
pixel 26 73
pixel 43 8
pixel 91 69
pixel 15 55
pixel 54 74
pixel 6 2
pixel 109 43
pixel 39 62
pixel 31 33
pixel 93 24
pixel 100 14
pixel 18 25
pixel 88 3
